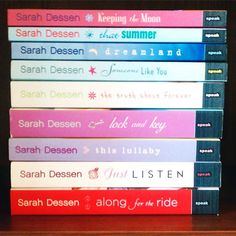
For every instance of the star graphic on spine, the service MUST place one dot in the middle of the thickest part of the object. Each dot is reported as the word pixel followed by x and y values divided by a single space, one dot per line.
pixel 89 34
pixel 92 70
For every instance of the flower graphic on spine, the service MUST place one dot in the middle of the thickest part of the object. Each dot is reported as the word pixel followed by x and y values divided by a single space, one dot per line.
pixel 92 95
pixel 89 34
pixel 92 70
pixel 89 17
pixel 93 174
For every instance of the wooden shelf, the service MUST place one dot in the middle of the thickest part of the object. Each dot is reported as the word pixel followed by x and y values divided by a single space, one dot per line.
pixel 166 225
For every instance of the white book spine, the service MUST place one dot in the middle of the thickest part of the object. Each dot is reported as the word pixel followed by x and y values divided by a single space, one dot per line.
pixel 107 95
pixel 105 174
pixel 109 71
pixel 76 34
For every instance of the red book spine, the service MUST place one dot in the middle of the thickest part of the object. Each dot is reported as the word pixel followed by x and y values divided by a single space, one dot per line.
pixel 92 202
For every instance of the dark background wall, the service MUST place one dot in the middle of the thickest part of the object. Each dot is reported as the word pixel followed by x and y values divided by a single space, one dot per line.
pixel 228 147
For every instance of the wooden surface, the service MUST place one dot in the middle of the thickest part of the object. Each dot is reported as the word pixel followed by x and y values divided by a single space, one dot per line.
pixel 224 224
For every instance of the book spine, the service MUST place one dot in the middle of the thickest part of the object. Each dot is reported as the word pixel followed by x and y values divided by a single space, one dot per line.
pixel 117 71
pixel 109 202
pixel 155 35
pixel 119 51
pixel 118 150
pixel 115 174
pixel 116 94
pixel 116 123
pixel 116 18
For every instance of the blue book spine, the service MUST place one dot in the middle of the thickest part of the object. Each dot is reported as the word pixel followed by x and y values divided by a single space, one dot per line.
pixel 120 51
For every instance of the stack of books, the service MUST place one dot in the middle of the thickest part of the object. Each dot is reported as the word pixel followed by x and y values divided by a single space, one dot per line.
pixel 116 112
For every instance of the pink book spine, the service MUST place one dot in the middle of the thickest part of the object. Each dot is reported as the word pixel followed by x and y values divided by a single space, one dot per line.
pixel 102 123
pixel 112 18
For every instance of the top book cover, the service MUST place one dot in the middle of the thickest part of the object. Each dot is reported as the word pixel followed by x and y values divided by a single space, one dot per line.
pixel 117 18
